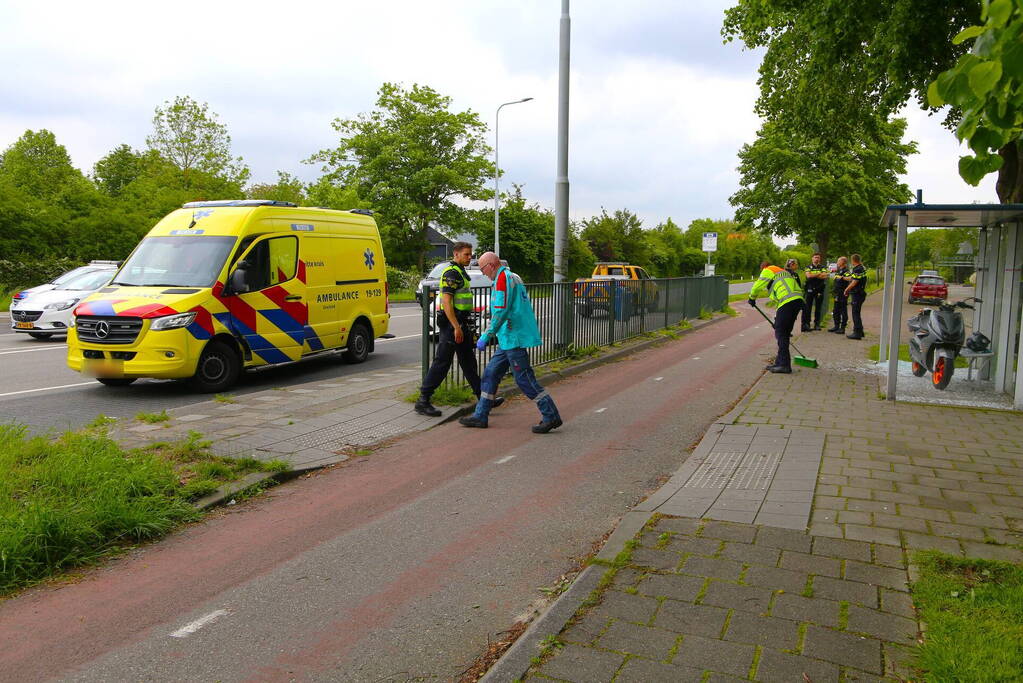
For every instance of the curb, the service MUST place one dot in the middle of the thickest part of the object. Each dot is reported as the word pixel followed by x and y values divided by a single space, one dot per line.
pixel 552 377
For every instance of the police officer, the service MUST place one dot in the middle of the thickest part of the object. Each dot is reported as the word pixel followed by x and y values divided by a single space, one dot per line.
pixel 816 283
pixel 454 330
pixel 857 293
pixel 841 311
pixel 783 288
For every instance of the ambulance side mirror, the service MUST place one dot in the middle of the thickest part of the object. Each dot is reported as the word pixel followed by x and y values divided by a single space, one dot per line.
pixel 237 282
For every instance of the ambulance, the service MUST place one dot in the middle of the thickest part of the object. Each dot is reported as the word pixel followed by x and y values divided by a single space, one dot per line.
pixel 222 286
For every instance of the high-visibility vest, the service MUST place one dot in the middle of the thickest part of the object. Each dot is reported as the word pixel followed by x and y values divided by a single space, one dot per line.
pixel 463 295
pixel 781 285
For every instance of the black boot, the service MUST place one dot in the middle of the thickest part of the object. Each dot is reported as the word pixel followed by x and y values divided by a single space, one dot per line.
pixel 424 407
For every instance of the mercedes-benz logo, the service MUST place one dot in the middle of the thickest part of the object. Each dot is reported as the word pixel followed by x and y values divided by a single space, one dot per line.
pixel 102 329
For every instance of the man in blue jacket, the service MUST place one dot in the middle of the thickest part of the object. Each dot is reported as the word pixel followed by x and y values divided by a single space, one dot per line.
pixel 513 322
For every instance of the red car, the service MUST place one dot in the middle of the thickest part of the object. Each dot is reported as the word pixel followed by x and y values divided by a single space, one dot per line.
pixel 928 288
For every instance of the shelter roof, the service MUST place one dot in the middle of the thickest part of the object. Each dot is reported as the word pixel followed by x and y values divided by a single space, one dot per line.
pixel 952 215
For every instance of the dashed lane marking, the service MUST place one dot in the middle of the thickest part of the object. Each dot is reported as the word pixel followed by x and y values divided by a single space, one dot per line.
pixel 46 348
pixel 32 391
pixel 407 336
pixel 189 629
pixel 504 459
pixel 600 410
pixel 658 379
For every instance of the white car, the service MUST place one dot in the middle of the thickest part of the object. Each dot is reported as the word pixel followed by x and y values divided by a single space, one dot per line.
pixel 44 314
pixel 480 284
pixel 65 277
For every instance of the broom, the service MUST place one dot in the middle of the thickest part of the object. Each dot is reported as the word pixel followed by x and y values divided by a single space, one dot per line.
pixel 799 359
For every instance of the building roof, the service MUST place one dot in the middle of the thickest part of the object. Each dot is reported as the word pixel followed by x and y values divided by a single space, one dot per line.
pixel 952 215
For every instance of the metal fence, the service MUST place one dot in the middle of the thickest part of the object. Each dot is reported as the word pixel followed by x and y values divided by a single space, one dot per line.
pixel 576 315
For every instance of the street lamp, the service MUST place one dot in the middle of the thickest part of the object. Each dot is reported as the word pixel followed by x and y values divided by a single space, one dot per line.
pixel 497 174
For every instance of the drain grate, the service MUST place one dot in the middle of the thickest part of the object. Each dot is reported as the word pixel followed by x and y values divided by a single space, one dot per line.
pixel 755 472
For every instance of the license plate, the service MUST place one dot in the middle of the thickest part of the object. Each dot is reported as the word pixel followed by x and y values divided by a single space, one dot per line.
pixel 23 326
pixel 97 367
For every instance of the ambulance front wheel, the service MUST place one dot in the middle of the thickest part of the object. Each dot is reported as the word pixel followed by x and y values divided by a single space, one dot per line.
pixel 357 349
pixel 218 368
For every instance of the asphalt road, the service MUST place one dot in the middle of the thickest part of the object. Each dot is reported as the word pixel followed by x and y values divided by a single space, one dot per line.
pixel 401 565
pixel 740 287
pixel 39 390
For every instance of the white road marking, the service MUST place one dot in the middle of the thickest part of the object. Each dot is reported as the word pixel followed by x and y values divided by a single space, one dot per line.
pixel 32 391
pixel 504 459
pixel 189 629
pixel 600 410
pixel 408 336
pixel 696 358
pixel 410 315
pixel 658 379
pixel 721 346
pixel 46 348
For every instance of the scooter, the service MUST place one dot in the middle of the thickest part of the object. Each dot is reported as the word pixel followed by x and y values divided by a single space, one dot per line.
pixel 935 338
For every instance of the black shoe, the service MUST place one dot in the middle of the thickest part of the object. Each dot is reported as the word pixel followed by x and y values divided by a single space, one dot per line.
pixel 497 401
pixel 424 407
pixel 546 426
pixel 854 335
pixel 833 329
pixel 804 329
pixel 817 328
pixel 780 369
pixel 840 330
pixel 472 421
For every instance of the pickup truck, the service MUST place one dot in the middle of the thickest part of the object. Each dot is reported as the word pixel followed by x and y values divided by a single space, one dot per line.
pixel 597 291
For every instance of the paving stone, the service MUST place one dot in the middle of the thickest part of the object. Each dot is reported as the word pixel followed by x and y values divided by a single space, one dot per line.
pixel 825 530
pixel 717 655
pixel 644 641
pixel 993 552
pixel 834 547
pixel 881 625
pixel 843 648
pixel 634 608
pixel 847 517
pixel 674 586
pixel 776 579
pixel 897 603
pixel 681 617
pixel 729 532
pixel 697 546
pixel 945 503
pixel 627 578
pixel 814 610
pixel 962 531
pixel 786 539
pixel 915 541
pixel 734 596
pixel 582 664
pixel 878 576
pixel 678 525
pixel 811 564
pixel 839 589
pixel 781 634
pixel 647 671
pixel 987 521
pixel 711 567
pixel 899 522
pixel 780 667
pixel 746 552
pixel 924 513
pixel 665 560
pixel 586 629
pixel 872 534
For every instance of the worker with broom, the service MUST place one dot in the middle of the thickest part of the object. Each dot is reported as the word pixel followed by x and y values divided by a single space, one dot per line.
pixel 785 291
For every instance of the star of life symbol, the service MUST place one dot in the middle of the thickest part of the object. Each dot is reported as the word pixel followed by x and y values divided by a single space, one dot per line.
pixel 196 215
pixel 368 257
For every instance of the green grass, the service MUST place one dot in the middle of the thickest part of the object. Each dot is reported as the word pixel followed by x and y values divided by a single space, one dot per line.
pixel 6 297
pixel 72 500
pixel 152 418
pixel 874 351
pixel 705 314
pixel 401 296
pixel 974 614
pixel 447 395
pixel 224 398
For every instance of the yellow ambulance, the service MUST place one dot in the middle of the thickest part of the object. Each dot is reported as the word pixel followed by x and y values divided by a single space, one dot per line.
pixel 217 287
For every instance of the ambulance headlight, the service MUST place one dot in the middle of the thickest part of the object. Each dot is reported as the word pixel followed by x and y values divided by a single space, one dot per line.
pixel 173 322
pixel 60 305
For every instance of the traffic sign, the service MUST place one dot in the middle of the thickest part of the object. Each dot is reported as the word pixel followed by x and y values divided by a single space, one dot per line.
pixel 710 241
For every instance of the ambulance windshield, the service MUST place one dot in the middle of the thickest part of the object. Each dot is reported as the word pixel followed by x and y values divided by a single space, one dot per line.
pixel 176 261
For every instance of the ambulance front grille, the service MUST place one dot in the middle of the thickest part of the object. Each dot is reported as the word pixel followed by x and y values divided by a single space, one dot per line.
pixel 98 329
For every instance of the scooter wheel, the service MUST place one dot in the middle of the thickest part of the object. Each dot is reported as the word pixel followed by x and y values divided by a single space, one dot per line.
pixel 918 370
pixel 942 374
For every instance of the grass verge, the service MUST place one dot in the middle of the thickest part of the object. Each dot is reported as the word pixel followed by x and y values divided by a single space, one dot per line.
pixel 874 351
pixel 447 395
pixel 73 500
pixel 6 297
pixel 974 614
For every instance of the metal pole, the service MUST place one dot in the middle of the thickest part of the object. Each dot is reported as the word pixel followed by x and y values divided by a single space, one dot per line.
pixel 895 328
pixel 886 301
pixel 497 174
pixel 561 180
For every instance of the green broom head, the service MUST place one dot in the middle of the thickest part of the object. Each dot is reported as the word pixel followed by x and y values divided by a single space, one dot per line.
pixel 805 362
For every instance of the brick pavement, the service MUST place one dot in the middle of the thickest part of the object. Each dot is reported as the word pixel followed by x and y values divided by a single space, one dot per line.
pixel 714 600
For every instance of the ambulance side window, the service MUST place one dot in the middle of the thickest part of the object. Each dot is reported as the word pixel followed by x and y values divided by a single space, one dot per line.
pixel 271 262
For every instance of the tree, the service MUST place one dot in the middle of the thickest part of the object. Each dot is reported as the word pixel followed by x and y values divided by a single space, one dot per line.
pixel 986 85
pixel 288 188
pixel 829 191
pixel 117 169
pixel 410 158
pixel 192 138
pixel 617 237
pixel 40 167
pixel 838 68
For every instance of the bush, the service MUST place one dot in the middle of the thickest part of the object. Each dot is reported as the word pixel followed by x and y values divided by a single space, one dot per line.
pixel 398 279
pixel 31 272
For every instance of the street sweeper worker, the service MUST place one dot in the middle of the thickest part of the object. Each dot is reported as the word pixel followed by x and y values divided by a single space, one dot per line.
pixel 784 290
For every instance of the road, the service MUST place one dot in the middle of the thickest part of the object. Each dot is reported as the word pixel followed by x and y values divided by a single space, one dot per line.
pixel 740 287
pixel 39 390
pixel 400 565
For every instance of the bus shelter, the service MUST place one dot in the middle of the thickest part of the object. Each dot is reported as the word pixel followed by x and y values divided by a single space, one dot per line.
pixel 998 260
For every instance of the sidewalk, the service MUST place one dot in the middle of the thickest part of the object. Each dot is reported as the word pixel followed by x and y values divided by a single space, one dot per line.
pixel 779 551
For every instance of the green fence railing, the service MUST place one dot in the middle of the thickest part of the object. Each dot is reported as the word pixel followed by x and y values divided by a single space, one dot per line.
pixel 575 315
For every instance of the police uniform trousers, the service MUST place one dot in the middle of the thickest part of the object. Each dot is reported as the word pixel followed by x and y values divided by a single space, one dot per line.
pixel 447 348
pixel 856 299
pixel 841 313
pixel 814 299
pixel 783 324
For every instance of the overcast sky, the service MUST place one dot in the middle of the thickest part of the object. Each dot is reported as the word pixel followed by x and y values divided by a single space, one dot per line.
pixel 659 106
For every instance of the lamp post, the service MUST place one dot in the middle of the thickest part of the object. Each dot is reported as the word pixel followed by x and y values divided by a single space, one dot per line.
pixel 497 174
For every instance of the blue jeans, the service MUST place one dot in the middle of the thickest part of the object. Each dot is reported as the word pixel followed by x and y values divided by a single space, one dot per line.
pixel 518 361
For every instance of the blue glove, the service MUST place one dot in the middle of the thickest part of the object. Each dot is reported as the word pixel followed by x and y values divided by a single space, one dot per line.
pixel 753 303
pixel 481 343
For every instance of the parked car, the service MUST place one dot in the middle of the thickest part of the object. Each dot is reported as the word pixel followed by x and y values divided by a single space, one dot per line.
pixel 429 288
pixel 928 288
pixel 597 291
pixel 46 313
pixel 65 277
